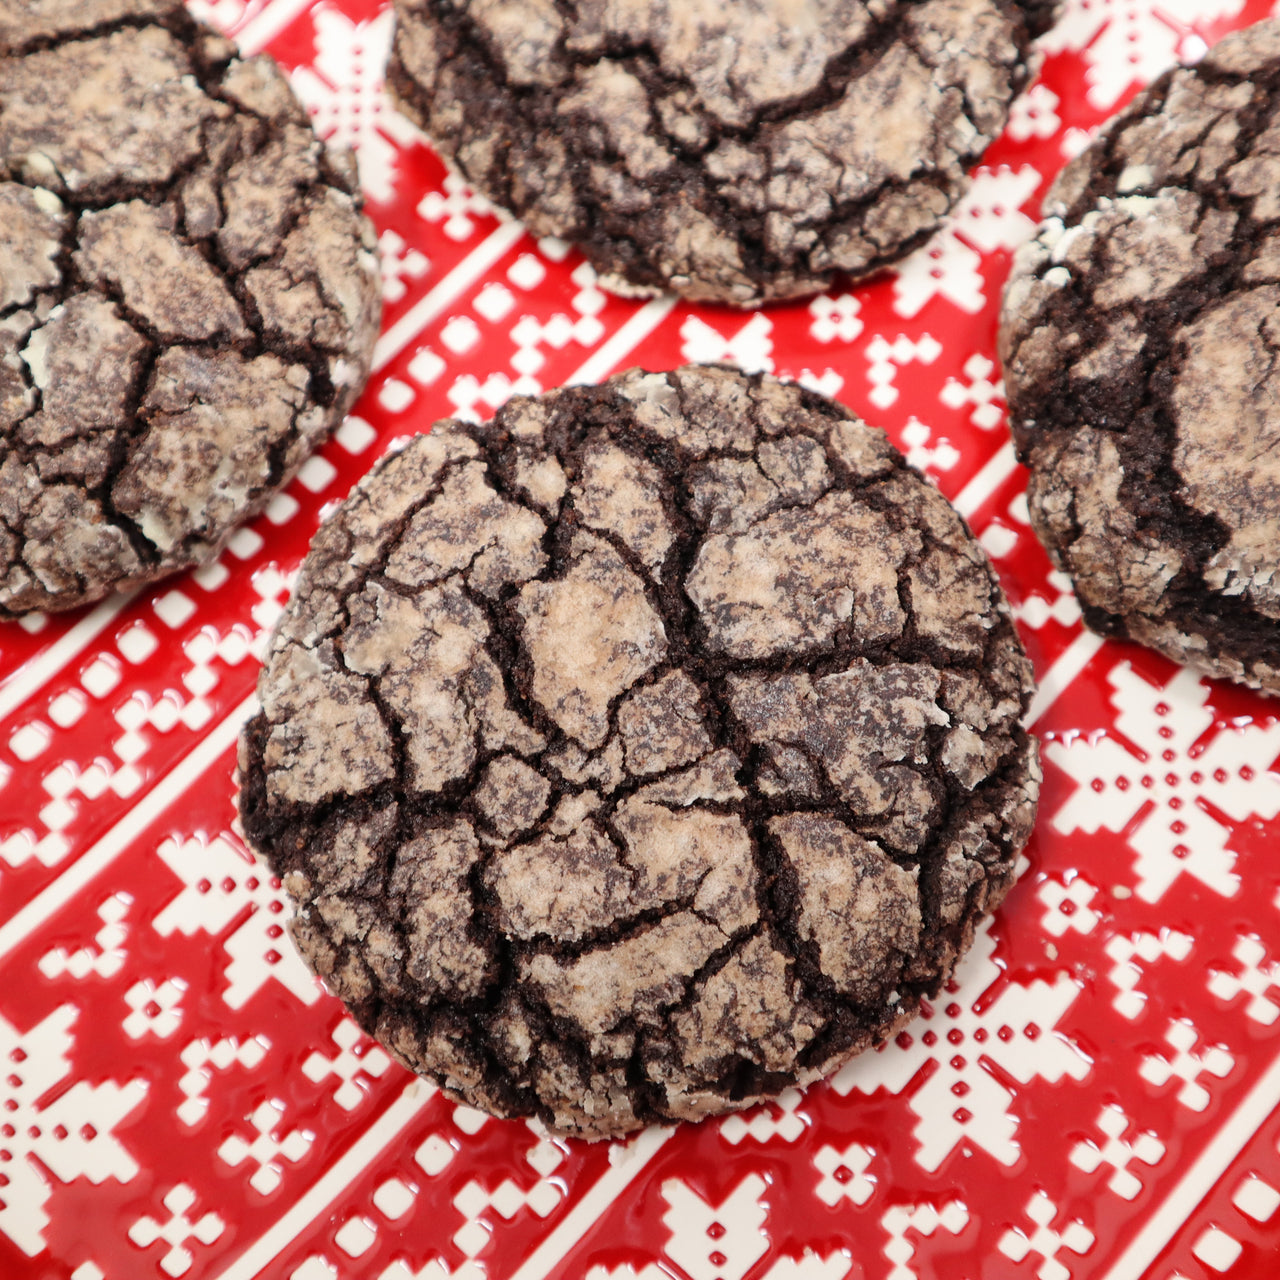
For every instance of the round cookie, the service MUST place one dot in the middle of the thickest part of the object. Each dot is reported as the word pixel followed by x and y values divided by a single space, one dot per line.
pixel 189 294
pixel 643 752
pixel 1138 338
pixel 734 153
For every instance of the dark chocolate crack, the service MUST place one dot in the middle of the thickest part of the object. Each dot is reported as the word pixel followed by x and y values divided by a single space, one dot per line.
pixel 189 295
pixel 1139 340
pixel 651 748
pixel 739 154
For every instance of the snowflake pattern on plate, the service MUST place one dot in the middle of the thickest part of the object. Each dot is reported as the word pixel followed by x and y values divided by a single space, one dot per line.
pixel 1094 1098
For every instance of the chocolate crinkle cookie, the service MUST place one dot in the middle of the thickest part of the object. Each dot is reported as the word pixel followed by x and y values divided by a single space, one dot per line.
pixel 1139 340
pixel 189 294
pixel 644 752
pixel 736 153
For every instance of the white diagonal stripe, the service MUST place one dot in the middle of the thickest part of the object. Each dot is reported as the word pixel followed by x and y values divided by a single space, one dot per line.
pixel 53 897
pixel 603 1193
pixel 448 290
pixel 605 358
pixel 592 1207
pixel 1068 664
pixel 344 1171
pixel 1201 1178
pixel 999 467
pixel 38 671
pixel 263 28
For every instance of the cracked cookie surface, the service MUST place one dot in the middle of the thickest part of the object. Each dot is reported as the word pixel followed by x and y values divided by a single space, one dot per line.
pixel 741 153
pixel 189 294
pixel 1139 338
pixel 643 752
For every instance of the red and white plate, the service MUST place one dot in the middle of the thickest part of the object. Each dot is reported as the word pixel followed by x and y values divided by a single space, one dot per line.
pixel 1098 1096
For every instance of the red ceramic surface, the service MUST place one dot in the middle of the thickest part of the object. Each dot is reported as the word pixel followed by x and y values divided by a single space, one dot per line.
pixel 1097 1096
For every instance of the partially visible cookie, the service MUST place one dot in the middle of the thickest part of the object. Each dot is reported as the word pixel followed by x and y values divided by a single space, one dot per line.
pixel 734 153
pixel 1139 341
pixel 189 294
pixel 643 752
pixel 1040 15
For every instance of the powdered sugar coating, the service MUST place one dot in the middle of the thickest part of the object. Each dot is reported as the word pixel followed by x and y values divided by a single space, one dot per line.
pixel 189 295
pixel 1139 338
pixel 612 861
pixel 738 153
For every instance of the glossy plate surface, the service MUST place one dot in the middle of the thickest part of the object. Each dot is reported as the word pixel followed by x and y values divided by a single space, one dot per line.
pixel 1097 1097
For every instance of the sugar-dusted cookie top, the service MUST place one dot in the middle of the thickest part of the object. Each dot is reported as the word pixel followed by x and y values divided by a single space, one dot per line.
pixel 737 153
pixel 645 751
pixel 1139 340
pixel 188 294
